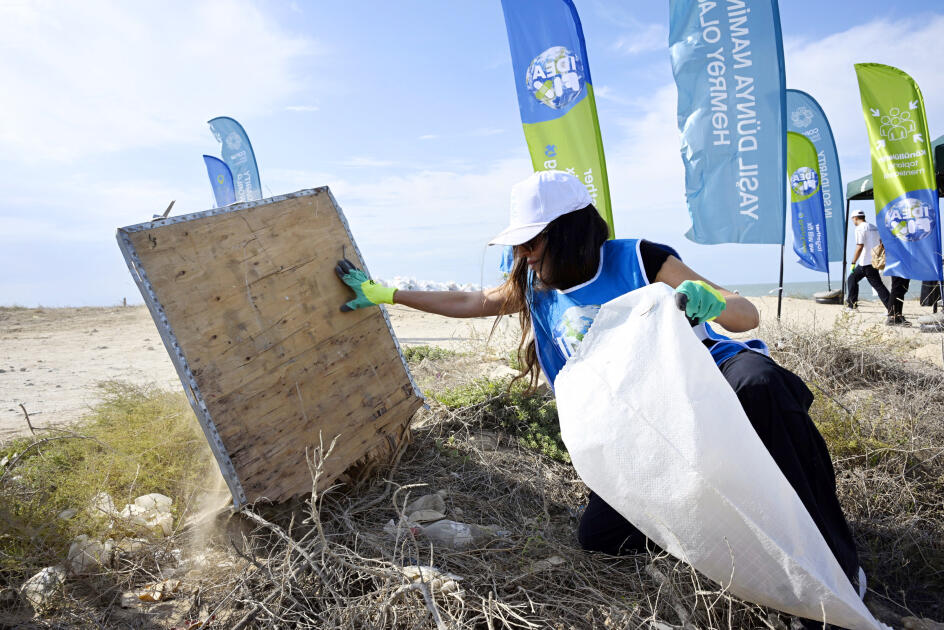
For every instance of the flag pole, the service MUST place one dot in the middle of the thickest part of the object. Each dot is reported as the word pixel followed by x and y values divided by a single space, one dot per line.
pixel 780 286
pixel 845 239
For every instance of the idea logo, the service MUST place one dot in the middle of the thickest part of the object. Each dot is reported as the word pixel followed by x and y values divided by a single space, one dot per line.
pixel 555 77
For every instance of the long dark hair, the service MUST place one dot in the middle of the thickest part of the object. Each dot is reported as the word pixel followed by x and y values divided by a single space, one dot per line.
pixel 571 257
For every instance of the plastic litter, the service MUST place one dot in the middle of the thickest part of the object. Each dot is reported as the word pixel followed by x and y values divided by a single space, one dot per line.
pixel 425 516
pixel 655 430
pixel 437 580
pixel 456 535
pixel 405 526
pixel 159 591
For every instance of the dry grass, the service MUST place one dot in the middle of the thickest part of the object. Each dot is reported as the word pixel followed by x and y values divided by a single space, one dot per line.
pixel 883 418
pixel 325 561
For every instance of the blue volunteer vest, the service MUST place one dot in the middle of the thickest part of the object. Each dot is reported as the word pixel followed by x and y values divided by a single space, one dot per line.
pixel 561 318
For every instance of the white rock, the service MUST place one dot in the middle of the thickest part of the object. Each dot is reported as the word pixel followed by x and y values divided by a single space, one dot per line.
pixel 132 545
pixel 151 511
pixel 102 505
pixel 427 502
pixel 162 524
pixel 155 502
pixel 89 555
pixel 42 587
pixel 135 514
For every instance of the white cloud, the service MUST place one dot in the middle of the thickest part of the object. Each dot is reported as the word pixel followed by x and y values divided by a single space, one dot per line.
pixel 96 209
pixel 606 93
pixel 96 76
pixel 647 178
pixel 486 131
pixel 642 38
pixel 362 161
pixel 428 136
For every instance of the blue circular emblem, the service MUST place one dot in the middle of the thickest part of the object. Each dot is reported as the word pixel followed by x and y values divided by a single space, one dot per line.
pixel 802 116
pixel 555 77
pixel 572 326
pixel 909 219
pixel 804 181
pixel 233 141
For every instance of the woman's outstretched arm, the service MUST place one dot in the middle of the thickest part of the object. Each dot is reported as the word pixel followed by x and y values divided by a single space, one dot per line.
pixel 739 315
pixel 485 303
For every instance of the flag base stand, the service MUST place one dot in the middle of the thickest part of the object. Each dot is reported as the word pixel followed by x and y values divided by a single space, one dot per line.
pixel 828 297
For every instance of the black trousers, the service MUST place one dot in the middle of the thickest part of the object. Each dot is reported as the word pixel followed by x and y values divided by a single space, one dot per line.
pixel 930 293
pixel 871 274
pixel 897 297
pixel 776 402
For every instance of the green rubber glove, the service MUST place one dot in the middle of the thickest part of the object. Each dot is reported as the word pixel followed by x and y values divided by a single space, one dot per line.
pixel 366 291
pixel 704 301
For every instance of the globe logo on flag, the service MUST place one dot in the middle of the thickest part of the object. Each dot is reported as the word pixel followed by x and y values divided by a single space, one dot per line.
pixel 233 141
pixel 804 181
pixel 802 116
pixel 909 219
pixel 555 77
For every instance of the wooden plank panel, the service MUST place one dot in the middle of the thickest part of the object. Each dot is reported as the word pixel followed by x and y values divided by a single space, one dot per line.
pixel 252 298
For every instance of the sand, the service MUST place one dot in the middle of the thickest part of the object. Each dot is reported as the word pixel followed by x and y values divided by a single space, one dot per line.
pixel 51 360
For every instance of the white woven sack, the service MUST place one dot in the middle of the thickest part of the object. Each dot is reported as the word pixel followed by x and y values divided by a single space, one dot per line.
pixel 654 429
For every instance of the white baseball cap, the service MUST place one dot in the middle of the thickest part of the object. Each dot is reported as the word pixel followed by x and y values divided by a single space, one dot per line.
pixel 537 201
pixel 859 213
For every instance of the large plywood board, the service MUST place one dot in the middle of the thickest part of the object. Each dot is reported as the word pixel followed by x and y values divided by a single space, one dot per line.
pixel 247 303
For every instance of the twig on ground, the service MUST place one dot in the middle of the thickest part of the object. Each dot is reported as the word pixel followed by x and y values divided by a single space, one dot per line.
pixel 26 415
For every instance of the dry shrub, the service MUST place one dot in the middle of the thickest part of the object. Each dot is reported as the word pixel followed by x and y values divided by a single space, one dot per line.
pixel 882 415
pixel 329 563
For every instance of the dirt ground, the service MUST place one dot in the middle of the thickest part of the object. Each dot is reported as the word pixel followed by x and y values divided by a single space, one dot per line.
pixel 51 360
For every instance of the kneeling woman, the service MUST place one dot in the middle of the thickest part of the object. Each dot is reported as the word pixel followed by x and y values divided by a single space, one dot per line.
pixel 563 261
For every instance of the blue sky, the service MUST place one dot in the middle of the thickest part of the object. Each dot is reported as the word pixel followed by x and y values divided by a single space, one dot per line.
pixel 406 110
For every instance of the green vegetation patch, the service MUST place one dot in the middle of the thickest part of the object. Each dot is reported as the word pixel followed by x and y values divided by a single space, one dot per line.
pixel 415 354
pixel 137 441
pixel 847 436
pixel 532 419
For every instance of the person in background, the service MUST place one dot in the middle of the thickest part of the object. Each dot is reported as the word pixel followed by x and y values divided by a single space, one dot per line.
pixel 896 301
pixel 866 236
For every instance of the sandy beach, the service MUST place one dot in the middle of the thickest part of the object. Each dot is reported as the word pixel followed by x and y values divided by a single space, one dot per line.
pixel 51 360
